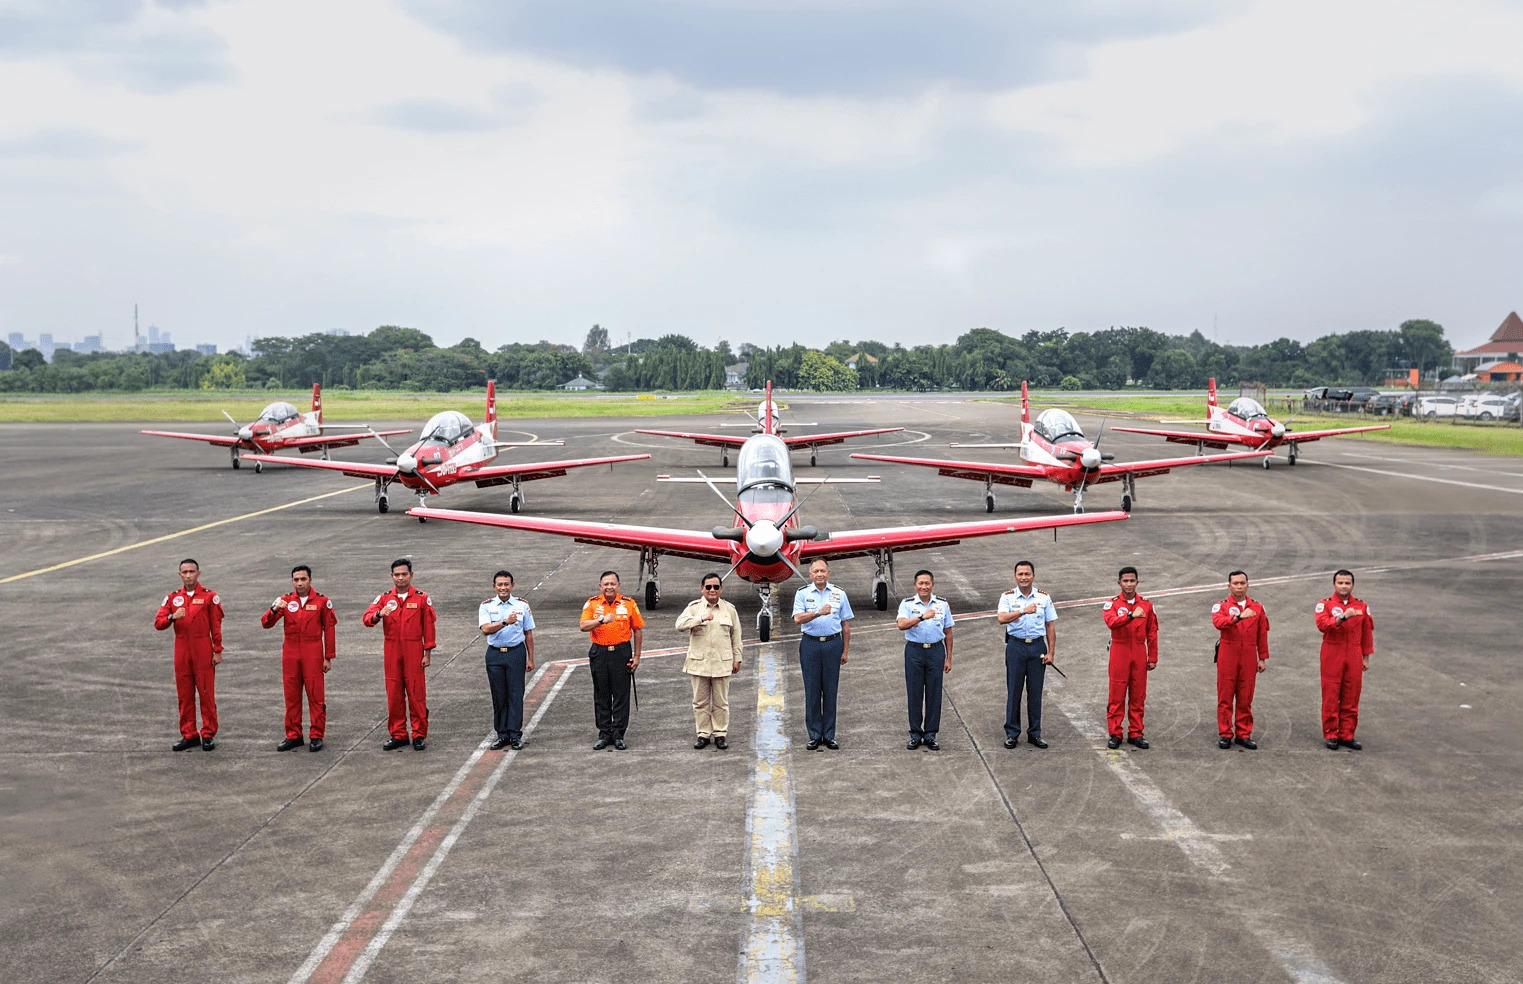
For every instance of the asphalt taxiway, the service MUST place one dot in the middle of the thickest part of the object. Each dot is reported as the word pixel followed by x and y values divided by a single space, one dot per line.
pixel 127 862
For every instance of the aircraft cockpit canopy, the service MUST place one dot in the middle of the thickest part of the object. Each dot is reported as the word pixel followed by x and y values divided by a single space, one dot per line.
pixel 1058 425
pixel 763 461
pixel 448 427
pixel 1245 408
pixel 278 413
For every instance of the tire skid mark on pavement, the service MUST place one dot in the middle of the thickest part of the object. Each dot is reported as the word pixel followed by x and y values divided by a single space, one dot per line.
pixel 174 536
pixel 351 945
pixel 773 950
pixel 1295 957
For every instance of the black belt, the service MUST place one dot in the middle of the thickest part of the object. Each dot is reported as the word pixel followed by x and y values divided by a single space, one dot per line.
pixel 816 638
pixel 1029 641
pixel 928 645
pixel 507 649
pixel 612 649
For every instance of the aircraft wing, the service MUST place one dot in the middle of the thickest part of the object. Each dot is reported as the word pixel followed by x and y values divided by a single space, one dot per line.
pixel 678 543
pixel 354 469
pixel 819 440
pixel 1161 466
pixel 1209 439
pixel 978 471
pixel 712 440
pixel 531 470
pixel 220 441
pixel 1299 436
pixel 864 543
pixel 337 440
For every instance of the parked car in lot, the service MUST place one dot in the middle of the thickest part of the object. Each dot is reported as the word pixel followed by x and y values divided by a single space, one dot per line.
pixel 1391 404
pixel 1430 407
pixel 1483 406
pixel 1358 396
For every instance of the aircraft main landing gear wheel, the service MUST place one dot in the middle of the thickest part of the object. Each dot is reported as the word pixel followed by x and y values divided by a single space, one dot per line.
pixel 724 461
pixel 1078 510
pixel 515 504
pixel 653 596
pixel 880 596
pixel 1126 503
pixel 382 504
pixel 764 627
pixel 989 503
pixel 1266 462
pixel 258 467
pixel 237 459
pixel 812 461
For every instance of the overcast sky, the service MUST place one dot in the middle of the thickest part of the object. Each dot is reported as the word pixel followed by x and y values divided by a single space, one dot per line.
pixel 759 170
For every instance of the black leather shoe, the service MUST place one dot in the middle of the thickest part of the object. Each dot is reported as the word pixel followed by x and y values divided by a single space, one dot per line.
pixel 1224 743
pixel 207 744
pixel 701 741
pixel 721 743
pixel 392 744
pixel 1036 741
pixel 831 744
pixel 288 744
pixel 913 744
pixel 185 743
pixel 1139 741
pixel 814 745
pixel 601 744
pixel 1351 743
pixel 1114 741
pixel 932 744
pixel 316 745
pixel 1333 743
pixel 1247 743
pixel 418 744
pixel 498 744
pixel 517 743
pixel 619 744
pixel 1012 742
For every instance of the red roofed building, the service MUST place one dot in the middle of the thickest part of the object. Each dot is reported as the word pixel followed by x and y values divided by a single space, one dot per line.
pixel 1499 372
pixel 1506 345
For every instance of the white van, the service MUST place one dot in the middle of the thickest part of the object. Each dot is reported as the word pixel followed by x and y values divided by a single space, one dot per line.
pixel 1482 406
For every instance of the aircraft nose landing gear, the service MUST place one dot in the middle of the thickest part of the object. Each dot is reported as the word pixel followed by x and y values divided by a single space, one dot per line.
pixel 884 560
pixel 648 559
pixel 422 501
pixel 382 503
pixel 764 617
pixel 237 458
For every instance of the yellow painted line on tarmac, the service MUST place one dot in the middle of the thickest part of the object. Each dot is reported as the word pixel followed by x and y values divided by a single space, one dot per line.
pixel 175 536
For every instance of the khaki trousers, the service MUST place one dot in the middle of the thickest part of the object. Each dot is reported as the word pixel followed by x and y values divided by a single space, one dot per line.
pixel 711 705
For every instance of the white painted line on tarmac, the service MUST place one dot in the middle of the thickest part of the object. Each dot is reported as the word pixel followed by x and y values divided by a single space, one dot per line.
pixel 365 959
pixel 1416 478
pixel 1430 463
pixel 773 951
pixel 1296 958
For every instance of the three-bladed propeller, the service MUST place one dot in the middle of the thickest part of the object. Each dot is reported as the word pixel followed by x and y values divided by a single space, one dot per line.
pixel 406 463
pixel 244 432
pixel 764 538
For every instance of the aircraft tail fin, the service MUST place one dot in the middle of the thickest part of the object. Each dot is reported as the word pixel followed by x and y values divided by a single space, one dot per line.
pixel 769 424
pixel 1025 405
pixel 1211 394
pixel 491 414
pixel 317 401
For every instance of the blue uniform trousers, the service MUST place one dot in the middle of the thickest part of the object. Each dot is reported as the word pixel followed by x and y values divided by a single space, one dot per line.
pixel 1024 669
pixel 922 685
pixel 505 675
pixel 820 662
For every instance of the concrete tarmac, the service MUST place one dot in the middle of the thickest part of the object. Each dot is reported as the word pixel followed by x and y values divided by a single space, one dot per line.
pixel 127 862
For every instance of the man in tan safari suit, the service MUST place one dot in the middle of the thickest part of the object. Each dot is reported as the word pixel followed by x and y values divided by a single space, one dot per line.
pixel 713 656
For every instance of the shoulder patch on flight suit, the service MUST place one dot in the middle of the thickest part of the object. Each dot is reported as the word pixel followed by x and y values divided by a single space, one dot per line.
pixel 1107 606
pixel 1367 611
pixel 216 599
pixel 1216 608
pixel 377 600
pixel 1321 607
pixel 330 602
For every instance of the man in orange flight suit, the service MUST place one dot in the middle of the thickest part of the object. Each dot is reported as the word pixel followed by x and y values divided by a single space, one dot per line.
pixel 196 614
pixel 616 627
pixel 305 655
pixel 407 620
pixel 1348 642
pixel 1134 653
pixel 1240 656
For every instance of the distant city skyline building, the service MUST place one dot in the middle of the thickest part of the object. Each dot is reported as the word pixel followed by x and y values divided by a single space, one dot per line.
pixel 206 349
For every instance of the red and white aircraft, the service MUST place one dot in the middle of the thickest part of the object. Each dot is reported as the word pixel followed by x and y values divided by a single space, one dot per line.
pixel 768 421
pixel 281 426
pixel 1244 424
pixel 451 451
pixel 1057 451
pixel 764 543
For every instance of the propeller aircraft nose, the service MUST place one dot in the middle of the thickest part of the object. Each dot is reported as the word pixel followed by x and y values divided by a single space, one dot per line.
pixel 246 433
pixel 764 539
pixel 1279 430
pixel 1090 459
pixel 407 463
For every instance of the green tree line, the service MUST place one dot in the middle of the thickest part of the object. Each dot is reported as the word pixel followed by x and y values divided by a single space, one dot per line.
pixel 392 357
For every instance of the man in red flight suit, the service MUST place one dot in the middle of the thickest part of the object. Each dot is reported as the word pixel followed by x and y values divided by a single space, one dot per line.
pixel 1348 642
pixel 407 619
pixel 1240 656
pixel 305 655
pixel 196 614
pixel 1134 653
